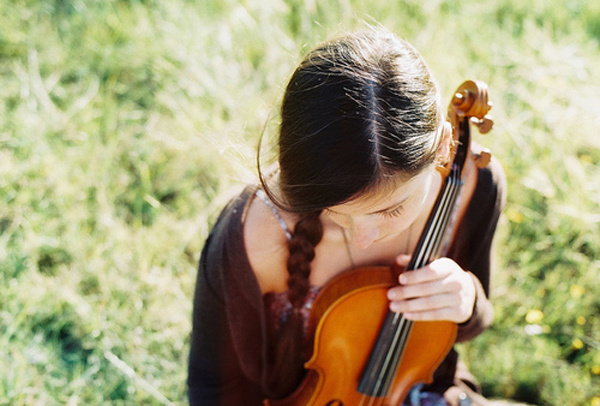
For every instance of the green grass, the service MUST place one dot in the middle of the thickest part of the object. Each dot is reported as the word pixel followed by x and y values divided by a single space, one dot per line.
pixel 125 125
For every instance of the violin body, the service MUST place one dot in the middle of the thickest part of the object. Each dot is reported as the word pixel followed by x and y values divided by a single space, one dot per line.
pixel 348 315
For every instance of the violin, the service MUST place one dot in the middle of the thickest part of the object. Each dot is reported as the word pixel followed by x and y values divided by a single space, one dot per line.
pixel 363 353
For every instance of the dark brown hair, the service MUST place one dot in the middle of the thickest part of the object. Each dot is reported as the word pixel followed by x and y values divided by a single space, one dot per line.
pixel 359 113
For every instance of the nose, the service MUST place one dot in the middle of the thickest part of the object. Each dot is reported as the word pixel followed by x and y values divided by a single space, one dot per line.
pixel 363 232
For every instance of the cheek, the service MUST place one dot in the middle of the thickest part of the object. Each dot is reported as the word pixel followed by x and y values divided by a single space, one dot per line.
pixel 394 225
pixel 398 224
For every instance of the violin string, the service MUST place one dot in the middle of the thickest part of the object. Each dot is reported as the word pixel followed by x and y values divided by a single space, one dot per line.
pixel 391 356
pixel 442 216
pixel 431 244
pixel 426 250
pixel 440 226
pixel 370 382
pixel 389 359
pixel 388 356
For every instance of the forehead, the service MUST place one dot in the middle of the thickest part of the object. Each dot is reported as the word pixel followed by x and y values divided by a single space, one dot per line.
pixel 384 198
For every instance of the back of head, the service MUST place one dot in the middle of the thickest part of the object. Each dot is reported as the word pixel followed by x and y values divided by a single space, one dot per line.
pixel 358 112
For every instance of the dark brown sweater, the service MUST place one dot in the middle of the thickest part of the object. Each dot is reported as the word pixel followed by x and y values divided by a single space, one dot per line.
pixel 229 346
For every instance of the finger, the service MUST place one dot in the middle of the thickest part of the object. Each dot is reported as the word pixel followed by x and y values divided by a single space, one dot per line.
pixel 406 292
pixel 445 313
pixel 421 275
pixel 424 304
pixel 403 260
pixel 438 269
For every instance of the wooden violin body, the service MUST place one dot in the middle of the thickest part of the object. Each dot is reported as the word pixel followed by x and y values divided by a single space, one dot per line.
pixel 363 353
pixel 349 314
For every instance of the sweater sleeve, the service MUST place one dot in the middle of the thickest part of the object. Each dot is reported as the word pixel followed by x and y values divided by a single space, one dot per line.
pixel 473 246
pixel 219 372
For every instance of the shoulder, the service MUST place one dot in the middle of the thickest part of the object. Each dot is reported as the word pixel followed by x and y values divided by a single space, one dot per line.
pixel 266 245
pixel 223 249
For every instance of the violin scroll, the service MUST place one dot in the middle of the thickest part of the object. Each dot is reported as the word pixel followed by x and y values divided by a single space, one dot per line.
pixel 470 104
pixel 471 101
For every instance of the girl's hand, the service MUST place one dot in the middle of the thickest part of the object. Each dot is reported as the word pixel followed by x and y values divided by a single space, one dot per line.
pixel 441 290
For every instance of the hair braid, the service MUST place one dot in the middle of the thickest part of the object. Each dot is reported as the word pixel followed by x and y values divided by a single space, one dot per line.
pixel 287 363
pixel 307 234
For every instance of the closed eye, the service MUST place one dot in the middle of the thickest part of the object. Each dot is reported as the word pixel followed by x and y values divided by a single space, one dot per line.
pixel 391 213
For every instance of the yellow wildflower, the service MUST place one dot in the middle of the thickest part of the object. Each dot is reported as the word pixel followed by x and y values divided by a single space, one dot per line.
pixel 534 316
pixel 595 401
pixel 515 216
pixel 580 320
pixel 577 344
pixel 596 369
pixel 576 291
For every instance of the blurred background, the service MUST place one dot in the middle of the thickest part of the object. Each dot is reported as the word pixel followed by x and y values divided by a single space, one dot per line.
pixel 125 125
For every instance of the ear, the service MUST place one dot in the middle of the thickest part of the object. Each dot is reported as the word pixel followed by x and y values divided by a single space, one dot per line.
pixel 444 150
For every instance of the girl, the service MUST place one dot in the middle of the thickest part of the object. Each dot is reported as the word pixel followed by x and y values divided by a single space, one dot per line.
pixel 361 134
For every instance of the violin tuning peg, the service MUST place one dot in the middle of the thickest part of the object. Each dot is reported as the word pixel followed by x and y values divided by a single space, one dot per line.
pixel 483 158
pixel 485 124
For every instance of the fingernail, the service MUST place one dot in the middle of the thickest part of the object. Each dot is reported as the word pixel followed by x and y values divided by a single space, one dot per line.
pixel 403 279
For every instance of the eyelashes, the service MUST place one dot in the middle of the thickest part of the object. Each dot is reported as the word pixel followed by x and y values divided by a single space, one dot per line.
pixel 392 213
pixel 385 214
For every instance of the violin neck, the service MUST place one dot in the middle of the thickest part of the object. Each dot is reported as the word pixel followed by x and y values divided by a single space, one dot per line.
pixel 430 245
pixel 385 357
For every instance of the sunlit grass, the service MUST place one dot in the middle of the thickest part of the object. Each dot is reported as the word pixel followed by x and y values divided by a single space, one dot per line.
pixel 126 125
